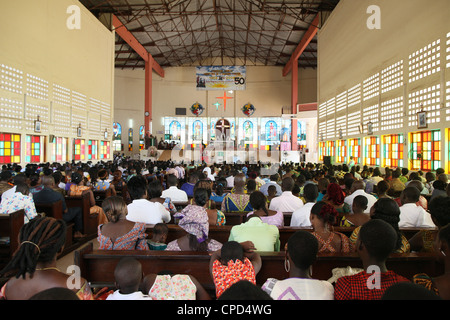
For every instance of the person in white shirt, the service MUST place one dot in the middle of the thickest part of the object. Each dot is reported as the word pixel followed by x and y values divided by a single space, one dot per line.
pixel 287 202
pixel 175 194
pixel 412 215
pixel 142 210
pixel 128 277
pixel 300 217
pixel 301 253
pixel 357 189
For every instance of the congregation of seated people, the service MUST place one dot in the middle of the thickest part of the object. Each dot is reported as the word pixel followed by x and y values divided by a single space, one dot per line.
pixel 132 197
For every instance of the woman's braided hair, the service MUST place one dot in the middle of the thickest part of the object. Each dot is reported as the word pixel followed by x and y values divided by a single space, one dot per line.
pixel 40 241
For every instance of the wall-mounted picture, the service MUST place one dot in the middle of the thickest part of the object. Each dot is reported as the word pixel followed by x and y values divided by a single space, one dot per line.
pixel 421 119
pixel 106 134
pixel 369 128
pixel 79 132
pixel 37 125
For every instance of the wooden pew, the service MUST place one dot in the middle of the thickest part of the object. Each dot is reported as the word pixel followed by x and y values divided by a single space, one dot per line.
pixel 55 210
pixel 90 221
pixel 10 225
pixel 99 196
pixel 97 266
pixel 222 233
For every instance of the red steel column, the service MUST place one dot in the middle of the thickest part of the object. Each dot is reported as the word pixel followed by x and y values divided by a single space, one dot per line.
pixel 148 94
pixel 294 101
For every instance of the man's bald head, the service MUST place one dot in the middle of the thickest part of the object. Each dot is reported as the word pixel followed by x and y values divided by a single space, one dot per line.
pixel 239 180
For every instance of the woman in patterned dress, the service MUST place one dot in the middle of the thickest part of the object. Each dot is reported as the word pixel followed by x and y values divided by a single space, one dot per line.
pixel 232 263
pixel 119 233
pixel 323 216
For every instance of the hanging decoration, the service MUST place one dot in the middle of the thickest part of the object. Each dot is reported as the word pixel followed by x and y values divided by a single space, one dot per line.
pixel 224 98
pixel 197 109
pixel 248 109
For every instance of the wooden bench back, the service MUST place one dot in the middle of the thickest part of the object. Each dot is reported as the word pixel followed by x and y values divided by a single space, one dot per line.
pixel 222 233
pixel 54 209
pixel 90 221
pixel 97 266
pixel 10 225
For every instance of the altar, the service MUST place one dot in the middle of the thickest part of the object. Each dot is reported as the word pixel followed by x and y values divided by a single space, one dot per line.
pixel 238 140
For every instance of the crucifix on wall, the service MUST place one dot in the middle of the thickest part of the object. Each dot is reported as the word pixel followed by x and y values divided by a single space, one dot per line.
pixel 224 98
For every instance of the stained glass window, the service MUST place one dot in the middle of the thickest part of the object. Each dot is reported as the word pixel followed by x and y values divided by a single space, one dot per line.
pixel 59 149
pixel 9 148
pixel 285 135
pixel 271 133
pixel 393 150
pixel 341 151
pixel 326 148
pixel 354 149
pixel 248 133
pixel 78 149
pixel 301 133
pixel 104 150
pixel 92 149
pixel 141 138
pixel 130 139
pixel 425 150
pixel 175 130
pixel 372 151
pixel 198 132
pixel 117 136
pixel 35 149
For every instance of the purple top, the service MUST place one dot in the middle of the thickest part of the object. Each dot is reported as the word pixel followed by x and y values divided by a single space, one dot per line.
pixel 276 219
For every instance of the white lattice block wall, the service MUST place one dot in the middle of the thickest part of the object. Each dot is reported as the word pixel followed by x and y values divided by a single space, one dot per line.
pixel 392 77
pixel 425 61
pixel 371 87
pixel 391 114
pixel 427 99
pixel 11 79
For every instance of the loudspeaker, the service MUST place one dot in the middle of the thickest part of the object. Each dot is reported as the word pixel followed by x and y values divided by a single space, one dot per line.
pixel 180 111
pixel 51 138
pixel 327 161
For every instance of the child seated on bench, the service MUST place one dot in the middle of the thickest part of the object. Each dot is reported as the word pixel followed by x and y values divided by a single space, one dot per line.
pixel 128 277
pixel 234 262
pixel 159 237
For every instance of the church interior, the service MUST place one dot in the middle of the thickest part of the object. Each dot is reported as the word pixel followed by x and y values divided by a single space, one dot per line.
pixel 220 82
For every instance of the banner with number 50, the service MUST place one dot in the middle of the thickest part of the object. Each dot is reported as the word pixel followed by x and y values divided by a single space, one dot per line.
pixel 220 77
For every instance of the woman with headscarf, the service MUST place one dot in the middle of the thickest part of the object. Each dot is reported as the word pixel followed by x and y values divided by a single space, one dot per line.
pixel 207 172
pixel 194 220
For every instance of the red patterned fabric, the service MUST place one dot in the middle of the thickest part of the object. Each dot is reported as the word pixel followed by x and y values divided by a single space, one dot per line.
pixel 356 287
pixel 225 276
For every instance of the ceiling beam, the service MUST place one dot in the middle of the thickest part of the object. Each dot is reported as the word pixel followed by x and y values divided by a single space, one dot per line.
pixel 128 37
pixel 306 39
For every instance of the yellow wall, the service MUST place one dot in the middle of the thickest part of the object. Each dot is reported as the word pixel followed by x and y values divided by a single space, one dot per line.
pixel 349 53
pixel 35 39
